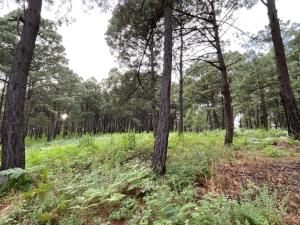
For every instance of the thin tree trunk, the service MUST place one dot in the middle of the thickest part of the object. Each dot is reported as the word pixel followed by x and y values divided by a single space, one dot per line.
pixel 2 99
pixel 223 114
pixel 215 115
pixel 153 90
pixel 180 124
pixel 216 120
pixel 161 139
pixel 28 106
pixel 13 146
pixel 229 125
pixel 51 129
pixel 264 112
pixel 209 119
pixel 2 95
pixel 291 110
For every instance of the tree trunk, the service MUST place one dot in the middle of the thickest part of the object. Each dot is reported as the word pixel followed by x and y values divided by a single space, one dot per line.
pixel 28 106
pixel 263 105
pixel 291 110
pixel 180 124
pixel 52 126
pixel 161 139
pixel 223 113
pixel 228 114
pixel 216 120
pixel 209 119
pixel 13 146
pixel 153 90
pixel 2 95
pixel 2 98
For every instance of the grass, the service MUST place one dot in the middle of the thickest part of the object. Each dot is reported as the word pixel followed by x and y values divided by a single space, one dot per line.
pixel 107 179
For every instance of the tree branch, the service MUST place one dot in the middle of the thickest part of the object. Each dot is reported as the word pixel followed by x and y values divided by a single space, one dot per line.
pixel 192 15
pixel 263 2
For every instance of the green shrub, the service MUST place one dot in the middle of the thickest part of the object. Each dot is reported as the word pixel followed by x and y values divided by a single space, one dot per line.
pixel 87 142
pixel 275 152
pixel 185 166
pixel 128 142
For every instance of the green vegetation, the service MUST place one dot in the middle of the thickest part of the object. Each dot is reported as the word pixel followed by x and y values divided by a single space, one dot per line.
pixel 108 178
pixel 76 151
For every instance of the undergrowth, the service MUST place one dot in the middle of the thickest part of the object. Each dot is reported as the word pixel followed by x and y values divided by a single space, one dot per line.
pixel 101 179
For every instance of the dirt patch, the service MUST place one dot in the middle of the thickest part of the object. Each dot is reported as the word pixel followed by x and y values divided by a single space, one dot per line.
pixel 4 208
pixel 282 177
pixel 283 144
pixel 118 222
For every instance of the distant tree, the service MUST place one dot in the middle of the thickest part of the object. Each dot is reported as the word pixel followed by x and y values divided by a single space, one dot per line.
pixel 203 91
pixel 228 115
pixel 210 17
pixel 8 43
pixel 134 35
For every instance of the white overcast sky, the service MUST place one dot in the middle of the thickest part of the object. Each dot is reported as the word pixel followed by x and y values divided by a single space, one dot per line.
pixel 89 56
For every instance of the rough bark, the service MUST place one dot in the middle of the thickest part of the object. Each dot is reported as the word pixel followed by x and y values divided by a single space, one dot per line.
pixel 228 114
pixel 13 148
pixel 161 139
pixel 288 100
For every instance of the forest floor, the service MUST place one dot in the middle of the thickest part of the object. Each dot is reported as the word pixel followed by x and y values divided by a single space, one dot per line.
pixel 107 179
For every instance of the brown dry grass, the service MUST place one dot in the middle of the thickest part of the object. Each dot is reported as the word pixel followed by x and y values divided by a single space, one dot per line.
pixel 281 176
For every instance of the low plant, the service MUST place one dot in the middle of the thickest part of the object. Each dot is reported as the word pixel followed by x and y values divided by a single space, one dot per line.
pixel 87 142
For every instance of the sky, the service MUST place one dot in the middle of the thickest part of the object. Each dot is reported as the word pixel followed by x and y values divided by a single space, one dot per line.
pixel 89 56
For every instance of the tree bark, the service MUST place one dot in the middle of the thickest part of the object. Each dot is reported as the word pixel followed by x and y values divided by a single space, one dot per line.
pixel 161 139
pixel 288 100
pixel 228 114
pixel 13 146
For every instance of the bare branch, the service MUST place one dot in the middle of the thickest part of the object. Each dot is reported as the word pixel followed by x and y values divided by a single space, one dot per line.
pixel 263 2
pixel 212 63
pixel 234 62
pixel 192 15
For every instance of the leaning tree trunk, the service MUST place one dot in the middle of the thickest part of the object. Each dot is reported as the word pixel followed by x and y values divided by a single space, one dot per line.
pixel 291 110
pixel 13 147
pixel 228 114
pixel 162 135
